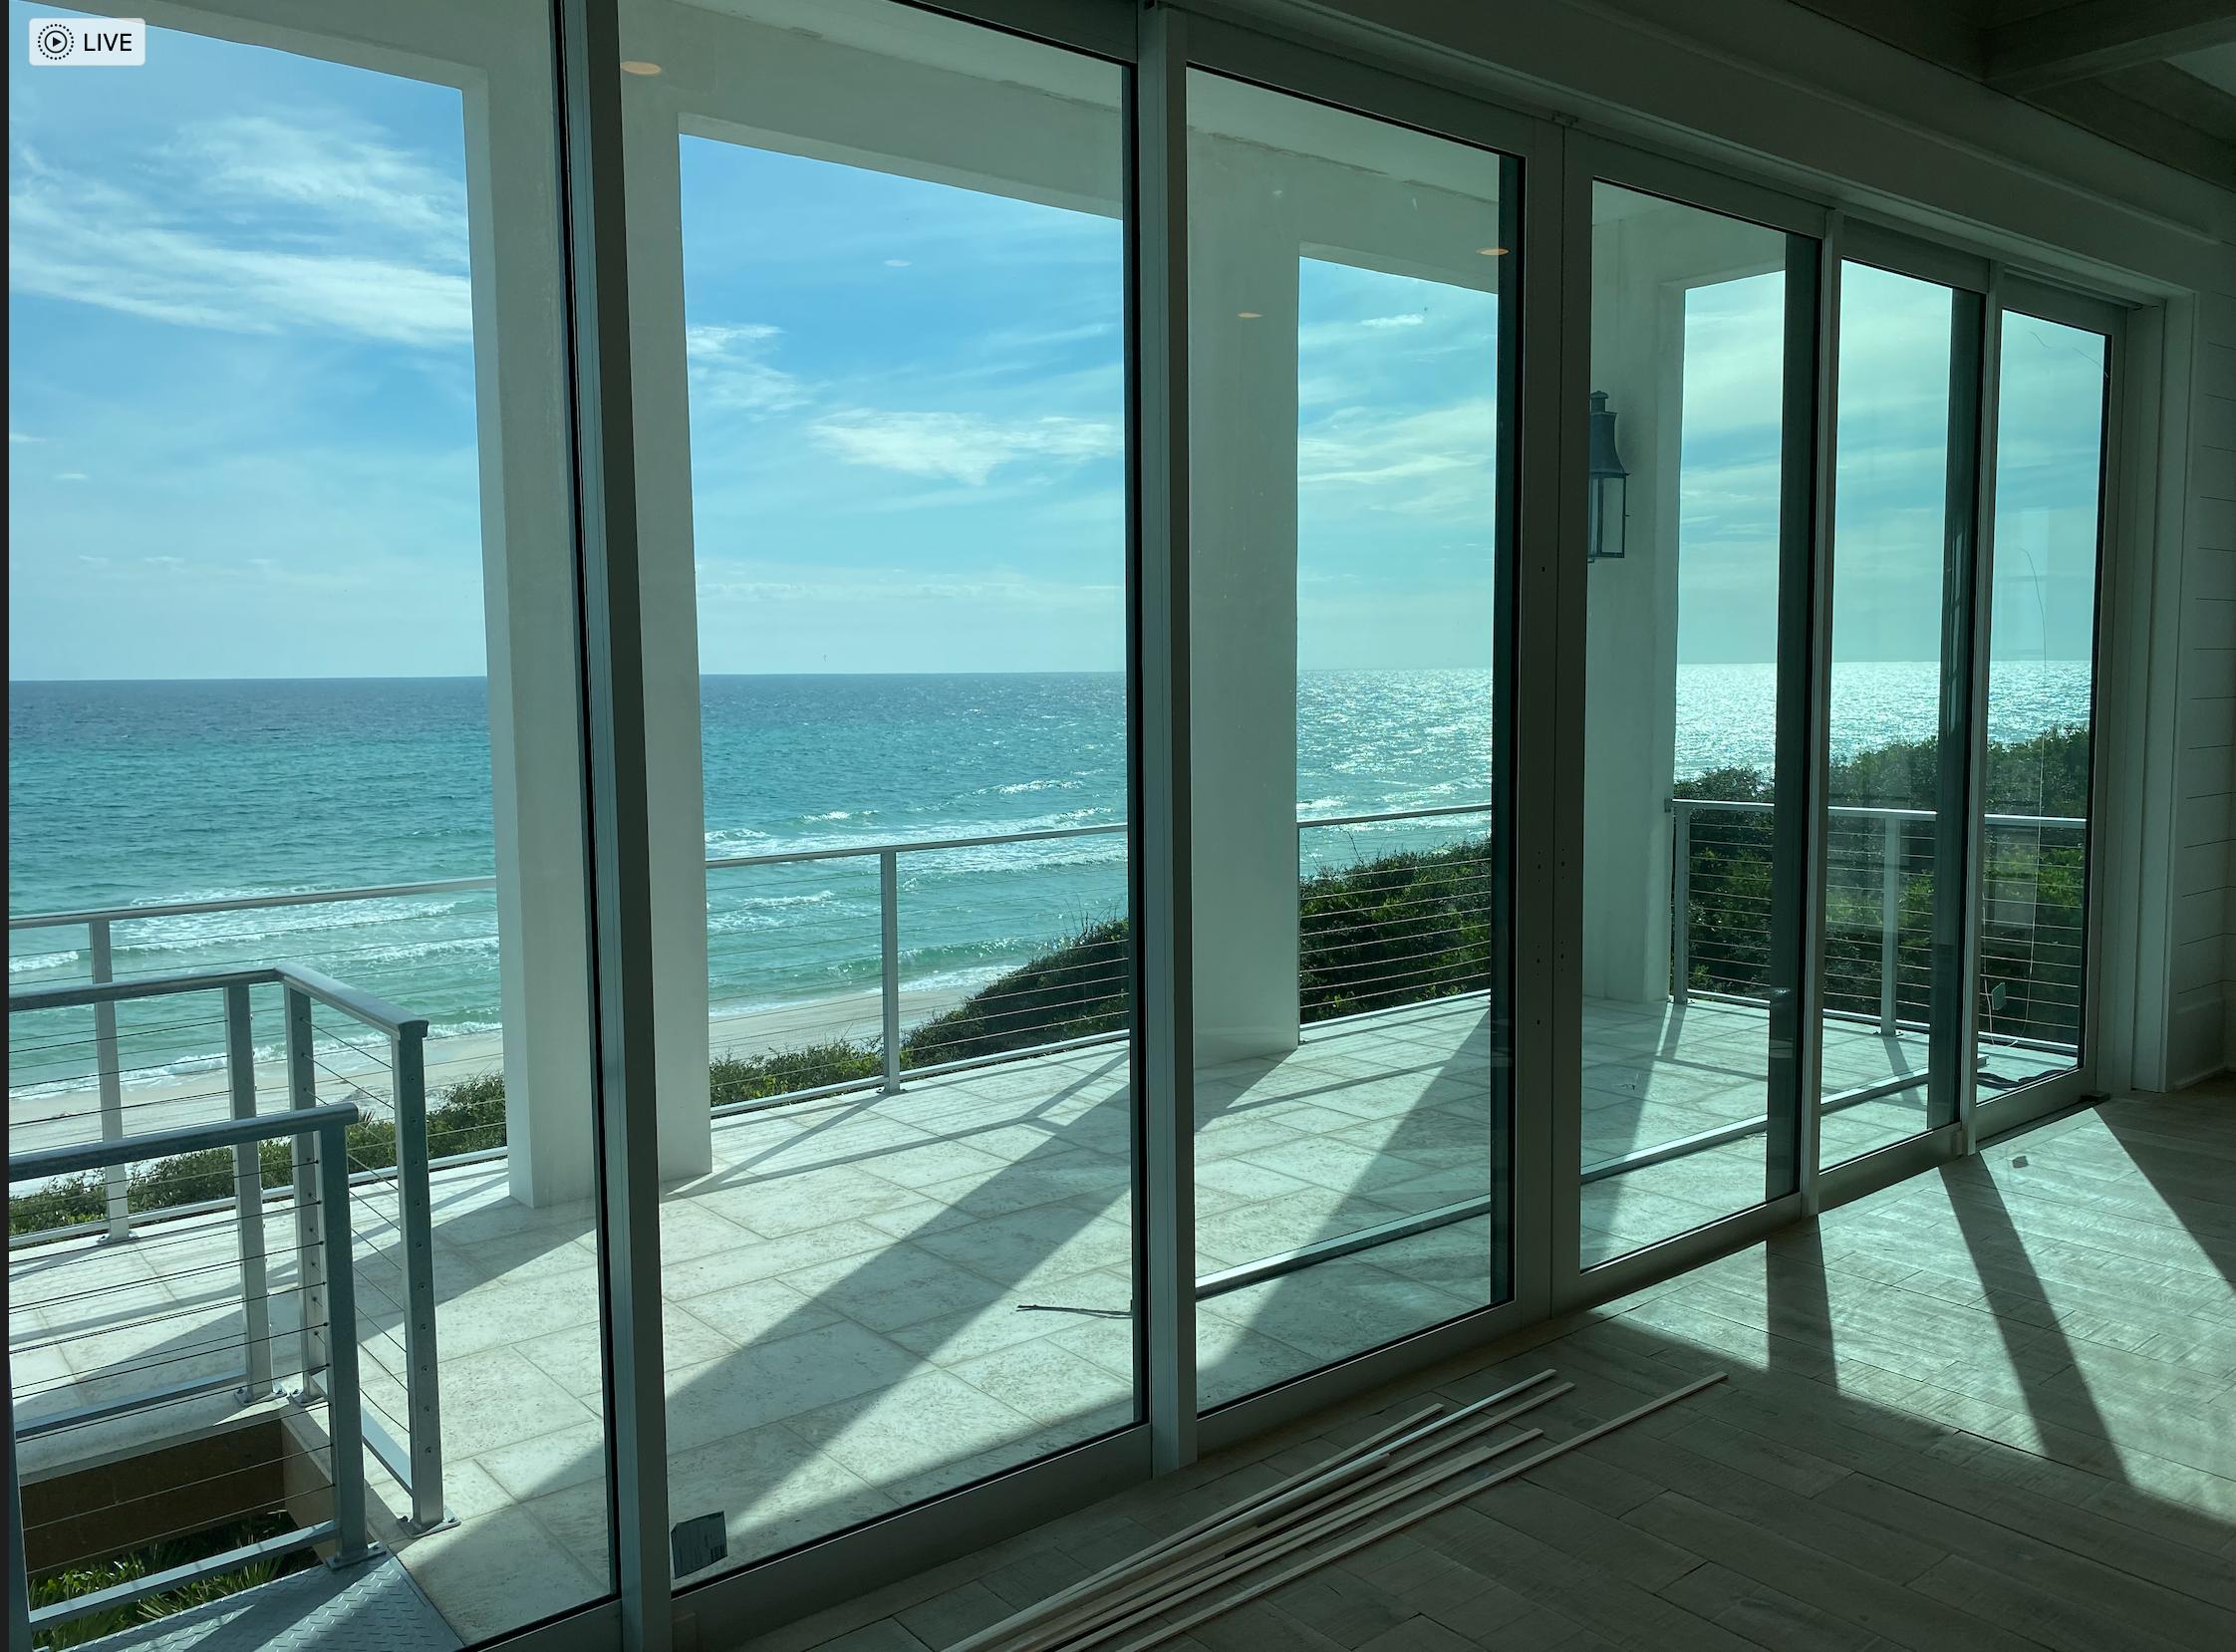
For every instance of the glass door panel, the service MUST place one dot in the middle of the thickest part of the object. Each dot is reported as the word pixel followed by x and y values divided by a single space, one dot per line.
pixel 881 398
pixel 2034 833
pixel 1348 361
pixel 293 584
pixel 1682 793
pixel 1905 495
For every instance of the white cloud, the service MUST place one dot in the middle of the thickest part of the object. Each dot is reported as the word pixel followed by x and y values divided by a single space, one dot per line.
pixel 1431 462
pixel 963 447
pixel 252 225
pixel 1412 318
pixel 727 369
pixel 311 169
pixel 71 476
pixel 17 439
pixel 723 583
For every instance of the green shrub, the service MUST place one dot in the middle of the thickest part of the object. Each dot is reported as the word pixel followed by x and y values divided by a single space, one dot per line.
pixel 1397 930
pixel 467 1117
pixel 72 1583
pixel 1077 989
pixel 733 1078
pixel 2030 976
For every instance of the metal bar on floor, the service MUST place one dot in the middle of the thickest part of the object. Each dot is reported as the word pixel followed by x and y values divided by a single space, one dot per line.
pixel 1228 1279
pixel 1739 1130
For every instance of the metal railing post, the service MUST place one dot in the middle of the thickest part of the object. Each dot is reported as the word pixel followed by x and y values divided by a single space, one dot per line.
pixel 888 962
pixel 249 1195
pixel 116 1177
pixel 1681 900
pixel 310 1251
pixel 407 1055
pixel 344 1419
pixel 1890 916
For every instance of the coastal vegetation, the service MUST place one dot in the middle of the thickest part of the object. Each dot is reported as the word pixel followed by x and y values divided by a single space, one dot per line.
pixel 1406 928
pixel 91 1576
pixel 2034 879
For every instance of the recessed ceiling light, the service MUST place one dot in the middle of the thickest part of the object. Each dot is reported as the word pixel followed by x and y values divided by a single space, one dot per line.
pixel 638 66
pixel 1245 315
pixel 1492 252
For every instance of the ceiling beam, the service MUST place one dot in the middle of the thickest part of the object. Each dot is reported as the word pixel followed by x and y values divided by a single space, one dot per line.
pixel 2092 37
pixel 2143 123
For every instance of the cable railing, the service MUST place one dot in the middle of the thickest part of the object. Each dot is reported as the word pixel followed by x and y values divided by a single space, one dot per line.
pixel 1881 887
pixel 373 1178
pixel 181 1348
pixel 1075 993
pixel 1392 924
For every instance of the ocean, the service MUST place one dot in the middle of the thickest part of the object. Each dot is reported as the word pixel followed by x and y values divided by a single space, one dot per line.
pixel 136 793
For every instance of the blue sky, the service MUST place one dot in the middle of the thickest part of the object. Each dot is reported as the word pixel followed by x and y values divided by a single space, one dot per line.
pixel 907 421
pixel 240 398
pixel 243 436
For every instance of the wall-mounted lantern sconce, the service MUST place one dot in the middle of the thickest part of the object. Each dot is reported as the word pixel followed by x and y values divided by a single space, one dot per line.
pixel 1609 520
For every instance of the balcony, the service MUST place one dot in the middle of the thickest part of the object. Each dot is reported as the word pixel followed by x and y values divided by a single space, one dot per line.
pixel 890 1284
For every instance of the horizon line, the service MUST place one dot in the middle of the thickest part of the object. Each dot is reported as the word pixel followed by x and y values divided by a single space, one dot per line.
pixel 1113 670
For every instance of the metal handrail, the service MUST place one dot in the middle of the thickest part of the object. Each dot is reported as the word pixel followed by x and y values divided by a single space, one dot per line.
pixel 417 1464
pixel 322 1129
pixel 1303 821
pixel 99 923
pixel 1866 811
pixel 375 1012
pixel 786 857
pixel 1682 810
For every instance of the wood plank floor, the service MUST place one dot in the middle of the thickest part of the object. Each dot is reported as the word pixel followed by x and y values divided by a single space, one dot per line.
pixel 1992 1408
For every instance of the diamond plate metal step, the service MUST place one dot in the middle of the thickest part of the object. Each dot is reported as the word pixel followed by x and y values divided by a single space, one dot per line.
pixel 374 1607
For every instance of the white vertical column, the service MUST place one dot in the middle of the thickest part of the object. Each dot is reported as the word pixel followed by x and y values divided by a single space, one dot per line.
pixel 529 596
pixel 667 587
pixel 1630 708
pixel 1243 297
pixel 528 603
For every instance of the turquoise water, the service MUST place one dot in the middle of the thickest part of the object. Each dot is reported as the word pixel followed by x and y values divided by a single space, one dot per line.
pixel 132 794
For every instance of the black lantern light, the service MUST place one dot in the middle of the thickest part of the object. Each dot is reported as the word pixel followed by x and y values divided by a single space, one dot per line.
pixel 1609 523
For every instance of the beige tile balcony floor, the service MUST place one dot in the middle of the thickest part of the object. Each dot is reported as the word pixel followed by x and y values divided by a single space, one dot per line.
pixel 874 1299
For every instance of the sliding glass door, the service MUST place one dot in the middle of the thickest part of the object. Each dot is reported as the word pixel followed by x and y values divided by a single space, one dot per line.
pixel 1903 548
pixel 296 833
pixel 1692 785
pixel 1350 363
pixel 879 276
pixel 2054 378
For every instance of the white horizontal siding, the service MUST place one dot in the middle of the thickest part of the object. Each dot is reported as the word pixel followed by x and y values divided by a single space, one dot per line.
pixel 2202 929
